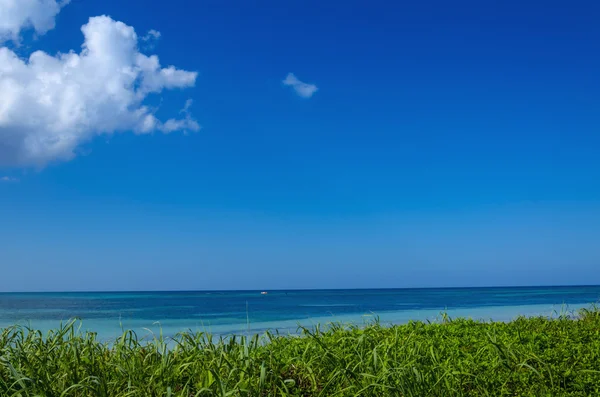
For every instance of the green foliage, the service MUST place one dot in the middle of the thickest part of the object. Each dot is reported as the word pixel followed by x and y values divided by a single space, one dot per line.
pixel 526 357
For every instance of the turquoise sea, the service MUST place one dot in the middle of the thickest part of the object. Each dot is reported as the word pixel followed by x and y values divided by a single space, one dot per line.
pixel 227 312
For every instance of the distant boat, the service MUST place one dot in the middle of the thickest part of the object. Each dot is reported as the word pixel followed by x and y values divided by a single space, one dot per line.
pixel 264 293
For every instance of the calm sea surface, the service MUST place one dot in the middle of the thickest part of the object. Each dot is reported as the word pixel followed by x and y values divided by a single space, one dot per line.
pixel 229 312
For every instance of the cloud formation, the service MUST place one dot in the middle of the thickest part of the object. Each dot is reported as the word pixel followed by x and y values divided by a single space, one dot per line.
pixel 52 104
pixel 304 90
pixel 16 15
pixel 151 35
pixel 8 179
pixel 150 39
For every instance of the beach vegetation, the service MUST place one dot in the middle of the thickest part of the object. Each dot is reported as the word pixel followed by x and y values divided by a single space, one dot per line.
pixel 537 356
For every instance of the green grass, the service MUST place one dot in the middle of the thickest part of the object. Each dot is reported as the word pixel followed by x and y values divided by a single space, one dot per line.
pixel 526 357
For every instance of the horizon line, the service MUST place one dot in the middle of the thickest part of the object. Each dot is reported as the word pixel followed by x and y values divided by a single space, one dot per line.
pixel 299 289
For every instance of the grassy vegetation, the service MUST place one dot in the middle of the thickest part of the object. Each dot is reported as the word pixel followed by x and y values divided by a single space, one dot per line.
pixel 526 357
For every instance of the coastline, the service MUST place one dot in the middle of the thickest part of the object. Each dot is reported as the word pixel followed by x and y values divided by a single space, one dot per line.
pixel 110 328
pixel 455 357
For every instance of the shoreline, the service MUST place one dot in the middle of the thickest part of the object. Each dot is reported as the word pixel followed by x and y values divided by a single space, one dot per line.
pixel 455 357
pixel 110 328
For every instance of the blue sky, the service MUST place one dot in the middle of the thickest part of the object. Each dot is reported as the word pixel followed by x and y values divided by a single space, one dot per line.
pixel 441 145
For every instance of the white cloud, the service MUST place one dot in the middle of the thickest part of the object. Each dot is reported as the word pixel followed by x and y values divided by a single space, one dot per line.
pixel 8 179
pixel 302 89
pixel 52 104
pixel 151 35
pixel 150 39
pixel 16 15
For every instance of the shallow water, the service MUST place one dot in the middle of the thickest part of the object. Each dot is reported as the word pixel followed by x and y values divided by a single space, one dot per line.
pixel 226 312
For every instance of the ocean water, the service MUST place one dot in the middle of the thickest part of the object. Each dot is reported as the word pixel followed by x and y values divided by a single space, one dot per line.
pixel 248 312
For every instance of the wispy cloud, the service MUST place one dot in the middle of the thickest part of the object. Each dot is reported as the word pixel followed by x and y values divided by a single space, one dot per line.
pixel 8 179
pixel 151 35
pixel 185 124
pixel 304 90
pixel 150 39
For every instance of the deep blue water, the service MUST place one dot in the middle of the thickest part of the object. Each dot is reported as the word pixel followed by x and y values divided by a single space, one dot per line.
pixel 231 311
